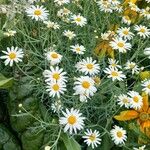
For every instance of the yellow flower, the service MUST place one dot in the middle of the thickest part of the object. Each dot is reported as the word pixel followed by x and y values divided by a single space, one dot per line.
pixel 145 75
pixel 142 116
pixel 103 49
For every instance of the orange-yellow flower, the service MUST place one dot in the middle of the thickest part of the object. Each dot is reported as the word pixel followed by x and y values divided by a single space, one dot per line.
pixel 142 116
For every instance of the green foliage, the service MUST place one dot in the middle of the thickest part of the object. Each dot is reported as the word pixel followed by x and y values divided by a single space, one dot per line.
pixel 4 82
pixel 70 142
pixel 7 139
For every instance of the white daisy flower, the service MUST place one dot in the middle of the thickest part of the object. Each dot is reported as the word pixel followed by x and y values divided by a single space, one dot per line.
pixel 125 33
pixel 118 135
pixel 84 85
pixel 88 66
pixel 113 63
pixel 13 54
pixel 133 7
pixel 146 12
pixel 126 20
pixel 79 20
pixel 37 12
pixel 61 2
pixel 146 85
pixel 78 49
pixel 53 57
pixel 69 34
pixel 52 25
pixel 147 52
pixel 133 67
pixel 55 88
pixel 121 45
pixel 55 74
pixel 143 31
pixel 136 101
pixel 140 148
pixel 63 12
pixel 114 74
pixel 72 120
pixel 105 36
pixel 105 6
pixel 123 100
pixel 92 138
pixel 57 106
pixel 10 33
pixel 148 1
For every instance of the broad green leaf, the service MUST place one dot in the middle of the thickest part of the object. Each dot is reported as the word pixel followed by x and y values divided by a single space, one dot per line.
pixel 70 143
pixel 4 82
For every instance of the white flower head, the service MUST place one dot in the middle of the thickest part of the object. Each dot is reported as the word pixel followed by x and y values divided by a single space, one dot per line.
pixel 79 20
pixel 133 67
pixel 55 88
pixel 84 85
pixel 126 20
pixel 88 66
pixel 114 74
pixel 142 31
pixel 146 86
pixel 72 120
pixel 78 49
pixel 37 12
pixel 57 106
pixel 121 45
pixel 118 135
pixel 52 25
pixel 140 148
pixel 125 33
pixel 136 100
pixel 55 74
pixel 92 138
pixel 113 63
pixel 123 100
pixel 69 34
pixel 13 54
pixel 53 57
pixel 10 33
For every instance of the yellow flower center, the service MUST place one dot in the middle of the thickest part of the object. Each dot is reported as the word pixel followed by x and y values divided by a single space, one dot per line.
pixel 78 49
pixel 56 76
pixel 142 30
pixel 72 119
pixel 148 86
pixel 55 87
pixel 54 55
pixel 92 137
pixel 86 84
pixel 114 65
pixel 78 19
pixel 119 134
pixel 114 73
pixel 37 12
pixel 144 116
pixel 132 66
pixel 12 55
pixel 125 32
pixel 125 100
pixel 120 44
pixel 136 99
pixel 89 66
